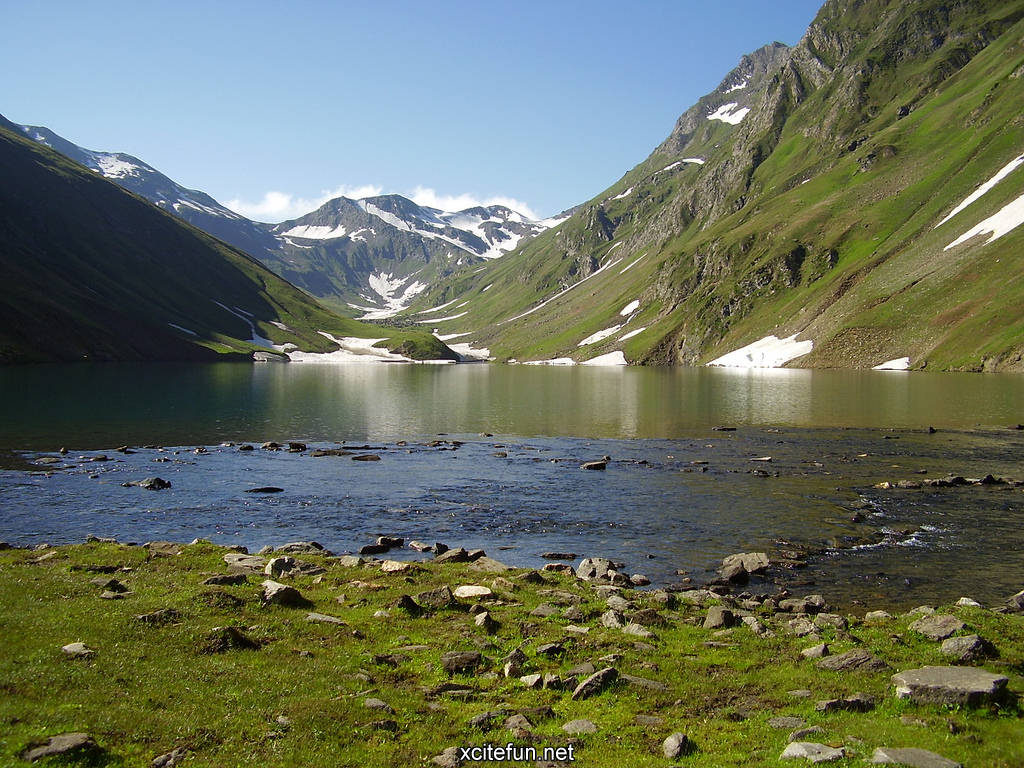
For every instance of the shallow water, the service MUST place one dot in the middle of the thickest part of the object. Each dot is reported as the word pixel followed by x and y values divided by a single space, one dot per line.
pixel 653 507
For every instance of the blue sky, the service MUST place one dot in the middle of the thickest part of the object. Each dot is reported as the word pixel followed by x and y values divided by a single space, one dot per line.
pixel 274 107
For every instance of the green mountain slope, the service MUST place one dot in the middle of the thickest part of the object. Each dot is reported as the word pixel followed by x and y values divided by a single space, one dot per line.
pixel 90 271
pixel 817 212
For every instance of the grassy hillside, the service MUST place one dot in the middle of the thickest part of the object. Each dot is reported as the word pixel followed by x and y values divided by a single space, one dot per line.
pixel 814 215
pixel 92 272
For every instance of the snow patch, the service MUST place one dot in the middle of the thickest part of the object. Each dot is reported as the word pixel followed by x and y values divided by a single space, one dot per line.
pixel 1000 175
pixel 185 330
pixel 1008 218
pixel 600 335
pixel 487 288
pixel 738 86
pixel 352 350
pixel 612 358
pixel 627 193
pixel 442 319
pixel 726 114
pixel 562 292
pixel 631 334
pixel 317 232
pixel 769 352
pixel 899 364
pixel 631 265
pixel 467 352
pixel 447 336
pixel 553 361
pixel 630 308
pixel 387 286
pixel 113 168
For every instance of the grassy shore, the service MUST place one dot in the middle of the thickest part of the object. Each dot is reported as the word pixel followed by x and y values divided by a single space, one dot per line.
pixel 227 680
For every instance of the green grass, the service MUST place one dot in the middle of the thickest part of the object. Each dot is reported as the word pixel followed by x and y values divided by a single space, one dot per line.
pixel 151 688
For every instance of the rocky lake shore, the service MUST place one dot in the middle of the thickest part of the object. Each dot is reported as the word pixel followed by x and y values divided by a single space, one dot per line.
pixel 171 654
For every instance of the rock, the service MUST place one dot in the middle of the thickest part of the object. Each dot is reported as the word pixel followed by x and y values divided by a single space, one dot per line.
pixel 391 542
pixel 277 566
pixel 595 683
pixel 448 759
pixel 718 617
pixel 949 685
pixel 460 661
pixel 751 562
pixel 163 548
pixel 734 573
pixel 152 484
pixel 559 555
pixel 551 649
pixel 544 610
pixel 396 566
pixel 786 723
pixel 594 569
pixel 488 565
pixel 815 652
pixel 265 489
pixel 816 753
pixel 637 630
pixel 245 562
pixel 223 639
pixel 275 593
pixel 618 603
pixel 831 620
pixel 472 591
pixel 649 721
pixel 639 580
pixel 643 682
pixel 916 758
pixel 601 464
pixel 378 704
pixel 857 659
pixel 612 620
pixel 78 651
pixel 801 734
pixel 373 549
pixel 486 622
pixel 676 745
pixel 968 602
pixel 366 457
pixel 169 759
pixel 436 598
pixel 859 702
pixel 513 663
pixel 160 616
pixel 226 579
pixel 938 626
pixel 111 585
pixel 350 561
pixel 322 618
pixel 61 744
pixel 965 649
pixel 459 555
pixel 303 548
pixel 877 617
pixel 579 726
pixel 1015 604
pixel 419 546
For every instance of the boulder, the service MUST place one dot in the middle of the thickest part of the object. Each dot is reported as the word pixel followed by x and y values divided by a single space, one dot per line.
pixel 436 598
pixel 61 744
pixel 579 726
pixel 595 683
pixel 949 685
pixel 812 751
pixel 857 659
pixel 303 548
pixel 751 562
pixel 966 648
pixel 938 626
pixel 275 593
pixel 916 758
pixel 594 569
pixel 78 651
pixel 472 591
pixel 460 661
pixel 245 562
pixel 718 617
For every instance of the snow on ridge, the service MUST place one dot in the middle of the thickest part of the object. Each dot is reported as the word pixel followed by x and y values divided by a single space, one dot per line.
pixel 726 114
pixel 999 176
pixel 316 232
pixel 769 352
pixel 627 193
pixel 630 308
pixel 1006 219
pixel 387 286
pixel 739 86
pixel 114 168
pixel 899 364
pixel 600 335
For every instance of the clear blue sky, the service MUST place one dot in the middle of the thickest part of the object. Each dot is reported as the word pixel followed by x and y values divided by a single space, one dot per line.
pixel 546 103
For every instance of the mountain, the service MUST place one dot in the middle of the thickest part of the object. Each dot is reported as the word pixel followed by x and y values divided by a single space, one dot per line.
pixel 850 201
pixel 372 255
pixel 91 271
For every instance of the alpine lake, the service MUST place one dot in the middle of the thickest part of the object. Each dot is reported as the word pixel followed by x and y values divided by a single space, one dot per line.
pixel 827 471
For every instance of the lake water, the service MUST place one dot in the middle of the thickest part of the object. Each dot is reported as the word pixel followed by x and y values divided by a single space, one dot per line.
pixel 677 494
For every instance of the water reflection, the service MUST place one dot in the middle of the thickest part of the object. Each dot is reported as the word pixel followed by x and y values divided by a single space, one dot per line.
pixel 101 405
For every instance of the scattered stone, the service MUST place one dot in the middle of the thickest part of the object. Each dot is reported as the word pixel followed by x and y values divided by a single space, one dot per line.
pixel 471 591
pixel 831 620
pixel 595 683
pixel 161 616
pixel 78 651
pixel 226 579
pixel 111 585
pixel 718 617
pixel 488 564
pixel 751 562
pixel 459 555
pixel 877 617
pixel 815 651
pixel 594 569
pixel 786 723
pixel 639 580
pixel 436 598
pixel 245 562
pixel 949 685
pixel 373 549
pixel 968 602
pixel 618 603
pixel 275 593
pixel 801 734
pixel 303 548
pixel 419 546
pixel 322 618
pixel 163 548
pixel 916 758
pixel 544 610
pixel 486 622
pixel 643 682
pixel 601 464
pixel 648 617
pixel 859 702
pixel 812 751
pixel 350 561
pixel 638 630
pixel 223 639
pixel 169 759
pixel 559 555
pixel 676 745
pixel 649 721
pixel 454 662
pixel 150 483
pixel 938 626
pixel 396 566
pixel 857 659
pixel 378 704
pixel 612 620
pixel 366 457
pixel 579 726
pixel 61 744
pixel 966 648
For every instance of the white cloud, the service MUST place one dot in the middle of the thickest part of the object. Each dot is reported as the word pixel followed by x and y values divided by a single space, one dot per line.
pixel 277 206
pixel 429 197
pixel 282 206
